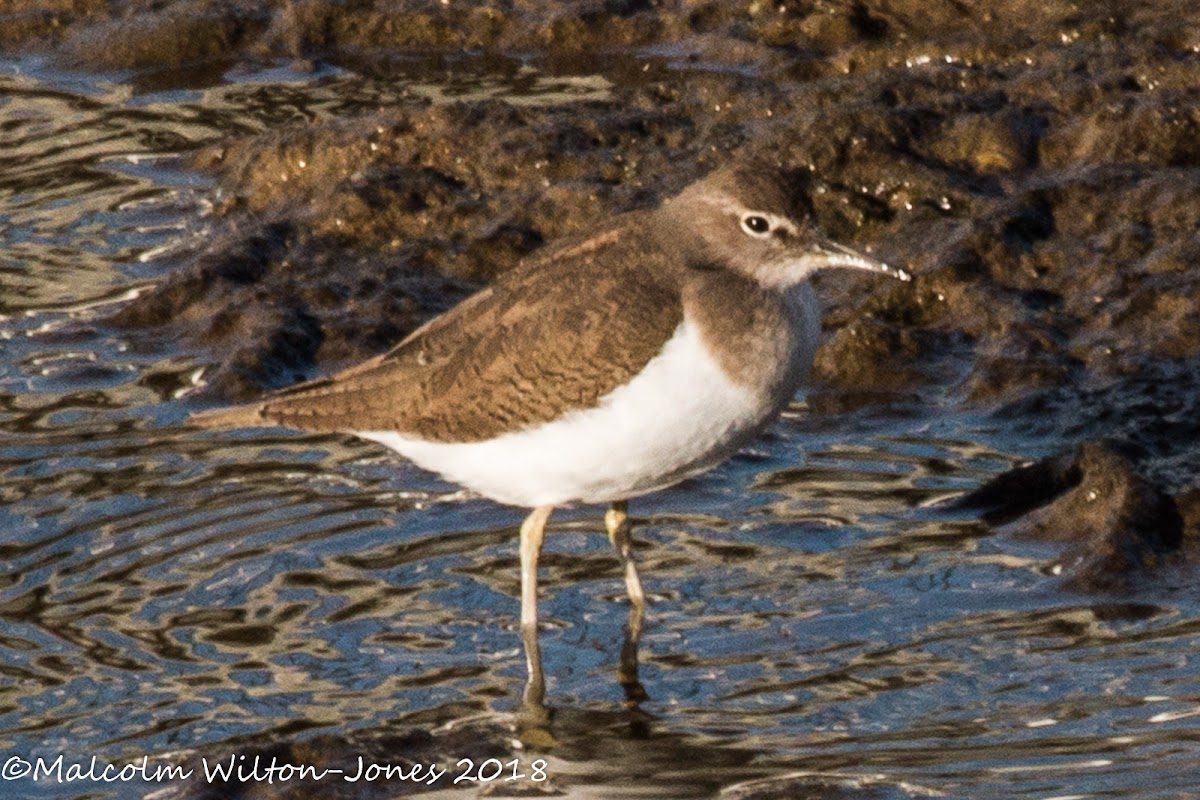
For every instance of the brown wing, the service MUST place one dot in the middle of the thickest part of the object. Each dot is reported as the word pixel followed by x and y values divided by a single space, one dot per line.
pixel 554 335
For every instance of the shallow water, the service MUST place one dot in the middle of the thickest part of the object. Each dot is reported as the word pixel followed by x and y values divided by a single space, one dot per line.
pixel 813 606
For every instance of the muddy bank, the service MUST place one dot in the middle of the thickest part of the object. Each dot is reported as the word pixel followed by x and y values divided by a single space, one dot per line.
pixel 1117 531
pixel 1034 164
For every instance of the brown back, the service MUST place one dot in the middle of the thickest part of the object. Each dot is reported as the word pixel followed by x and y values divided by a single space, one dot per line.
pixel 554 335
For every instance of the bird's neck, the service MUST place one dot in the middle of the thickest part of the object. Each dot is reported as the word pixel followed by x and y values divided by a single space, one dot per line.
pixel 763 338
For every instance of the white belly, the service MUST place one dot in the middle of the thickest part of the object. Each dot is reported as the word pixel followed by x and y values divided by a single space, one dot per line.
pixel 679 417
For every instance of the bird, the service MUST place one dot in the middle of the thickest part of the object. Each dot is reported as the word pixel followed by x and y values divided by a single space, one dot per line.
pixel 602 367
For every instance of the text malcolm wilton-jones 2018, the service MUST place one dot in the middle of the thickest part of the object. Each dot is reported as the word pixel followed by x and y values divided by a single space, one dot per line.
pixel 256 770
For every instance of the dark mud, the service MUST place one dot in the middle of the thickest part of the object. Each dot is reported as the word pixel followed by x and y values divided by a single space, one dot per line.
pixel 1035 164
pixel 1113 525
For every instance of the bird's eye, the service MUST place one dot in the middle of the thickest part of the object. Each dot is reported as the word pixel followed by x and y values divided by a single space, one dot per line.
pixel 756 225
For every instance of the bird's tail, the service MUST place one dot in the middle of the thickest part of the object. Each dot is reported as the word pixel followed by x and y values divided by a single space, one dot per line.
pixel 247 416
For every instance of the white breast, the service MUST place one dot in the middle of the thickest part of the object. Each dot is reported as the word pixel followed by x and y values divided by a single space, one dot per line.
pixel 678 417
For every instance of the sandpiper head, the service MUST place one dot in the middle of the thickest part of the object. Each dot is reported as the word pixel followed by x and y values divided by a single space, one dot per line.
pixel 758 220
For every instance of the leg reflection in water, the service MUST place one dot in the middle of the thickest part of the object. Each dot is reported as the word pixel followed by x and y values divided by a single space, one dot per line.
pixel 616 522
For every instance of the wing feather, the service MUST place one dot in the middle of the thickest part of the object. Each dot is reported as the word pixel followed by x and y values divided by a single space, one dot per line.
pixel 554 335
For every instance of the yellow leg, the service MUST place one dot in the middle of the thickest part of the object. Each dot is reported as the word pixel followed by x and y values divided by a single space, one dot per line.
pixel 533 530
pixel 619 533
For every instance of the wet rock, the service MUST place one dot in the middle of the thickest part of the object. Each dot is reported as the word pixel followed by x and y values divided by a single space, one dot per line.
pixel 333 241
pixel 1030 161
pixel 1113 525
pixel 991 142
pixel 1188 503
pixel 131 35
pixel 1013 363
pixel 867 354
pixel 276 301
pixel 1139 130
pixel 179 33
pixel 45 21
pixel 1155 407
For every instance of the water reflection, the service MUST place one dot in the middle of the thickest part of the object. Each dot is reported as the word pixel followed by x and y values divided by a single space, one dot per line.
pixel 812 608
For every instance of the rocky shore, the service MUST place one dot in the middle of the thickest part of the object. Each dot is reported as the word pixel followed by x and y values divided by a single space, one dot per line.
pixel 1035 164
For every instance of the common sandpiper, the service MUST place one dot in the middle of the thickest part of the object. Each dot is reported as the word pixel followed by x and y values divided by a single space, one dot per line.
pixel 600 368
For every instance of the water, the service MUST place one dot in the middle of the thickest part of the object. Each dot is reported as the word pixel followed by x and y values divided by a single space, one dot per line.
pixel 814 607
